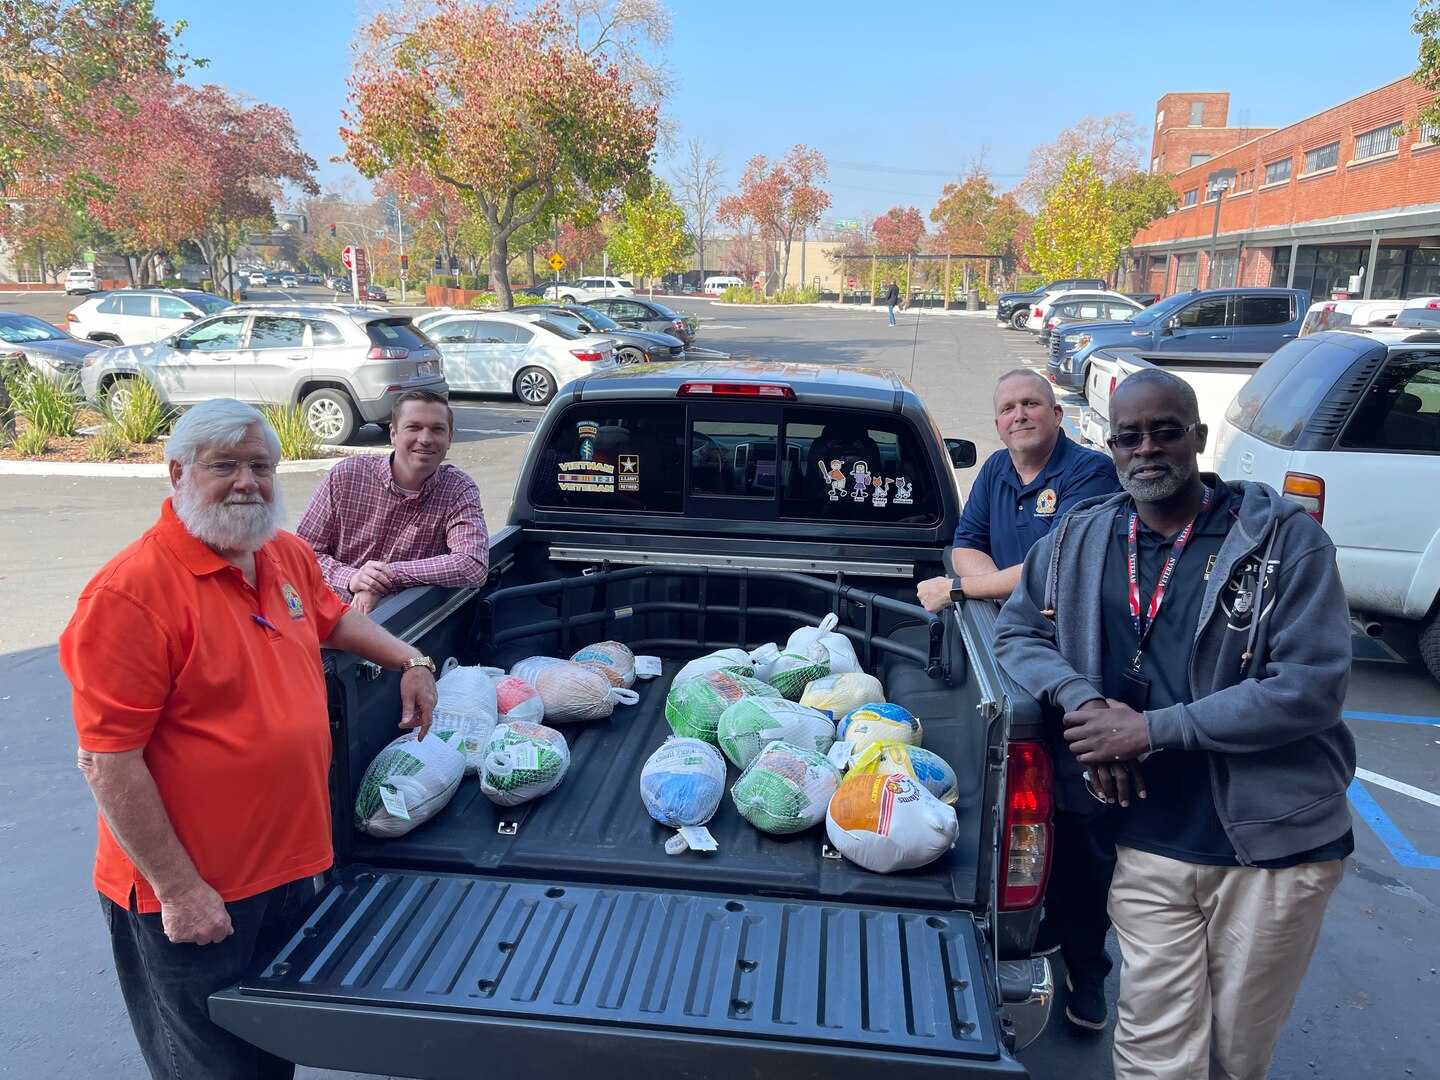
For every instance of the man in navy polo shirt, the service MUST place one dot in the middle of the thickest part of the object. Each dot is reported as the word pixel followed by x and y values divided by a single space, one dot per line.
pixel 1021 492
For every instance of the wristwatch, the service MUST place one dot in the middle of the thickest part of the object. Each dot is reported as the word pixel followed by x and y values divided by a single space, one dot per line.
pixel 418 661
pixel 957 591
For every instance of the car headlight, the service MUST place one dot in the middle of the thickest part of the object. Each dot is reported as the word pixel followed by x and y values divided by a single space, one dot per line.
pixel 1082 341
pixel 90 358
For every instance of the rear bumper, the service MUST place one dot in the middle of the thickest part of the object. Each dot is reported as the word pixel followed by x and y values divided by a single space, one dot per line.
pixel 1027 989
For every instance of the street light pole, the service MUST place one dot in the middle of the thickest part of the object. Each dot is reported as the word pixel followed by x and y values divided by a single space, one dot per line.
pixel 1216 184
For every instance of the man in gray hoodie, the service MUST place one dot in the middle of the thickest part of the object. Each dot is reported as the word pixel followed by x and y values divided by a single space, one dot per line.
pixel 1202 685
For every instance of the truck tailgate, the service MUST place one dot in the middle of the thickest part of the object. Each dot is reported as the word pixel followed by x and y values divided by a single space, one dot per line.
pixel 434 975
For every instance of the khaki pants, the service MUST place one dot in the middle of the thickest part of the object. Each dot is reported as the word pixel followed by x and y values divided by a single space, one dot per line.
pixel 1211 961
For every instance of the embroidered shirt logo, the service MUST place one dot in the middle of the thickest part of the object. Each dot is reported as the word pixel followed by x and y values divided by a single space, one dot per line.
pixel 1046 503
pixel 292 601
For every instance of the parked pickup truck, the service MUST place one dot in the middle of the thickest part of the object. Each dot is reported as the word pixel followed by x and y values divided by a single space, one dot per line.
pixel 1215 379
pixel 557 937
pixel 1013 309
pixel 1243 322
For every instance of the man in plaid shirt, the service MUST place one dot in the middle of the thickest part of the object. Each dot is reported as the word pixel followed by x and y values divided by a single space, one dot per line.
pixel 382 524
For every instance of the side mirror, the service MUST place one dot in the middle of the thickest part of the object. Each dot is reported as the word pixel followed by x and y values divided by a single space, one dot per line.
pixel 1170 325
pixel 961 451
pixel 191 315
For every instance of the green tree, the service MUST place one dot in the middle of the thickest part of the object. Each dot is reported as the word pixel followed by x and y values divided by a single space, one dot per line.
pixel 1075 230
pixel 1427 72
pixel 503 106
pixel 649 238
pixel 1136 199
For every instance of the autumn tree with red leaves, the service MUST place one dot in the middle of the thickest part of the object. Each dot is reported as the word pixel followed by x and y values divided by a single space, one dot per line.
pixel 781 198
pixel 506 109
pixel 899 231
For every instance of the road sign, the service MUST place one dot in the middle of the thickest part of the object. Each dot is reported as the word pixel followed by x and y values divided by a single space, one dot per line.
pixel 348 258
pixel 557 262
pixel 850 283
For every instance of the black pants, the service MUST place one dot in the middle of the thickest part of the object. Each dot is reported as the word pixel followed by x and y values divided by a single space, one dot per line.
pixel 167 986
pixel 1079 891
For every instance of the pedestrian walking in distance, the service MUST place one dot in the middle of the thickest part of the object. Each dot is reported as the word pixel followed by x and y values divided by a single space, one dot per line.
pixel 892 297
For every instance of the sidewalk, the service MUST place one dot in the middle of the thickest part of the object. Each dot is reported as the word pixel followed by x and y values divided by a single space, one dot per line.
pixel 861 306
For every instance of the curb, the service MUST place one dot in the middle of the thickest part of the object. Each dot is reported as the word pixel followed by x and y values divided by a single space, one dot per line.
pixel 866 308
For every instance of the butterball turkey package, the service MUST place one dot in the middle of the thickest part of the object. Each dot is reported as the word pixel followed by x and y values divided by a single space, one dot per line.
pixel 694 708
pixel 840 694
pixel 408 783
pixel 929 768
pixel 786 789
pixel 751 724
pixel 466 706
pixel 879 722
pixel 888 821
pixel 522 762
pixel 681 785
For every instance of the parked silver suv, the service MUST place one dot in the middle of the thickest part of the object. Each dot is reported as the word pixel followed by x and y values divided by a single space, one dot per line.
pixel 344 365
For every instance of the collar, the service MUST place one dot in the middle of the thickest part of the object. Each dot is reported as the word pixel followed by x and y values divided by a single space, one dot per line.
pixel 426 488
pixel 197 557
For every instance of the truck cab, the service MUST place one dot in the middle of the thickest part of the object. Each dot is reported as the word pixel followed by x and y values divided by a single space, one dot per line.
pixel 679 509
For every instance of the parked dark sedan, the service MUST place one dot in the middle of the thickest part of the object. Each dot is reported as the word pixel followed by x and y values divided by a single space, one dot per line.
pixel 375 293
pixel 631 346
pixel 46 348
pixel 638 314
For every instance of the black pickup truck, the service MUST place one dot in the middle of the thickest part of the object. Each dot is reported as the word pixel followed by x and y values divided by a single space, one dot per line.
pixel 682 508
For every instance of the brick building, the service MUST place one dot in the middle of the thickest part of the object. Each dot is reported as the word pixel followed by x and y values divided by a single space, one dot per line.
pixel 1346 193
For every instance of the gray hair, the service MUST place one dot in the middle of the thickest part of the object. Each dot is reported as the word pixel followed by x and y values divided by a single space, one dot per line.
pixel 222 422
pixel 1161 379
pixel 1048 391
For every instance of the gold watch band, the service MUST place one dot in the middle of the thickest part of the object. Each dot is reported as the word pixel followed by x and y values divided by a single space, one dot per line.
pixel 418 661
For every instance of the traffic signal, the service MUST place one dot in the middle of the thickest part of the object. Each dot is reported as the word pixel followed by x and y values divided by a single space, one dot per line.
pixel 332 228
pixel 404 262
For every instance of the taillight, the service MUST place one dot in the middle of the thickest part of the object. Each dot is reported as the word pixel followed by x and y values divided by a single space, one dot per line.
pixel 391 353
pixel 1113 381
pixel 70 318
pixel 590 356
pixel 1308 491
pixel 1026 839
pixel 1328 307
pixel 1433 304
pixel 1038 314
pixel 679 323
pixel 735 390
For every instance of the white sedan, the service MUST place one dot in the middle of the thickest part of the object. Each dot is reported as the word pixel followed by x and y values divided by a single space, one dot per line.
pixel 1041 308
pixel 512 352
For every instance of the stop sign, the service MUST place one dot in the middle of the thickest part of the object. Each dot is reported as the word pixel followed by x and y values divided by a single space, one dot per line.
pixel 348 258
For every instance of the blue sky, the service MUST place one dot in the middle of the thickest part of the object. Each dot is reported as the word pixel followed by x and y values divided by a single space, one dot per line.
pixel 903 93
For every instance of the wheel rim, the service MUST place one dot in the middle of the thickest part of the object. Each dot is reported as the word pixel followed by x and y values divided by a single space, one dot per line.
pixel 534 387
pixel 120 396
pixel 326 418
pixel 630 356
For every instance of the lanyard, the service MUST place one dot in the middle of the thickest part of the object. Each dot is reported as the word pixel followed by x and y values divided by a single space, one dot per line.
pixel 1142 628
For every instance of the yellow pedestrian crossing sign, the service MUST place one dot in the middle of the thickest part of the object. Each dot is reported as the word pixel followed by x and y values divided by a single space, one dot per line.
pixel 557 262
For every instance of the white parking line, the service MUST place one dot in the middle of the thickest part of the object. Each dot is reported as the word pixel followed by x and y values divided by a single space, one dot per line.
pixel 1398 785
pixel 493 431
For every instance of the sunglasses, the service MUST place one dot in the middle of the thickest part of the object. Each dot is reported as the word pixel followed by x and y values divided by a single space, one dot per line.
pixel 1165 436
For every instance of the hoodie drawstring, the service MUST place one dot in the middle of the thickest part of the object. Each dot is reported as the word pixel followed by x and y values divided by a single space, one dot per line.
pixel 1249 653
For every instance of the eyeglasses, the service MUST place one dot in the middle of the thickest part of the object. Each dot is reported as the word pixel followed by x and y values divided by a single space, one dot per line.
pixel 1165 436
pixel 260 470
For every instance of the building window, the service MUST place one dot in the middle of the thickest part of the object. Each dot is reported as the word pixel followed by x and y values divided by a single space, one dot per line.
pixel 1277 172
pixel 1197 113
pixel 1383 140
pixel 1188 199
pixel 1429 134
pixel 1185 270
pixel 1324 270
pixel 1199 159
pixel 1280 267
pixel 1322 157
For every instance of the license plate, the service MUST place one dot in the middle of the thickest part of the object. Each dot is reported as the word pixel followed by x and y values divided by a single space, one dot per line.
pixel 424 369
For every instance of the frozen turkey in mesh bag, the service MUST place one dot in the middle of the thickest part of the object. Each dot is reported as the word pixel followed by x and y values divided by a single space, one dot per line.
pixel 574 692
pixel 517 699
pixel 786 789
pixel 681 785
pixel 612 659
pixel 752 723
pixel 888 821
pixel 522 762
pixel 840 694
pixel 408 783
pixel 529 669
pixel 693 708
pixel 791 672
pixel 842 653
pixel 466 706
pixel 730 661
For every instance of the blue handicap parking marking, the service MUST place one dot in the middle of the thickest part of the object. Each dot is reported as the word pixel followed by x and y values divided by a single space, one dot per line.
pixel 1389 834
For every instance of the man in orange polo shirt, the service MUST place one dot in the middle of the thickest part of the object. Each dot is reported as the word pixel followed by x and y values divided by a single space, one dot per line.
pixel 194 656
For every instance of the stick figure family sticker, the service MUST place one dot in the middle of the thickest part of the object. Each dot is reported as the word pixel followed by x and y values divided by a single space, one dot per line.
pixel 866 485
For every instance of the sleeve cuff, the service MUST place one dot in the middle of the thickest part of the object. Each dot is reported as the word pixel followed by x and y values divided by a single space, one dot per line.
pixel 1165 729
pixel 1076 693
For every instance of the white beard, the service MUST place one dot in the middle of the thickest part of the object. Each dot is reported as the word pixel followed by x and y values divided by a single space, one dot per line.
pixel 232 525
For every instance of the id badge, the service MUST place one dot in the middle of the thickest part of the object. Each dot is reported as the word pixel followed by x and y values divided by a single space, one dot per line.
pixel 1134 690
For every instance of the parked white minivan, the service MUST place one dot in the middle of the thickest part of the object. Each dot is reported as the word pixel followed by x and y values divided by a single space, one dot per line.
pixel 714 286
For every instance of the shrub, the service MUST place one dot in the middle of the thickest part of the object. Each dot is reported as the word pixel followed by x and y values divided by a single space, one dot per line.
pixel 143 417
pixel 107 445
pixel 739 294
pixel 48 405
pixel 797 294
pixel 32 442
pixel 296 439
pixel 485 302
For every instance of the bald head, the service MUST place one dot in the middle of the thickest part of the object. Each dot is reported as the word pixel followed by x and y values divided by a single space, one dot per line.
pixel 1032 382
pixel 1179 393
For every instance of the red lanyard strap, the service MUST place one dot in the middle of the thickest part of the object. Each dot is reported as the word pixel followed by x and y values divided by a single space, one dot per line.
pixel 1142 628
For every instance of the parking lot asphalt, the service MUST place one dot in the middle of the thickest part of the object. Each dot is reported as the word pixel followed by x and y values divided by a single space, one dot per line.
pixel 1367 1007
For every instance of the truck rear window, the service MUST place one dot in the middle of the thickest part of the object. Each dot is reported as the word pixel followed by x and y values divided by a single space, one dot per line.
pixel 708 460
